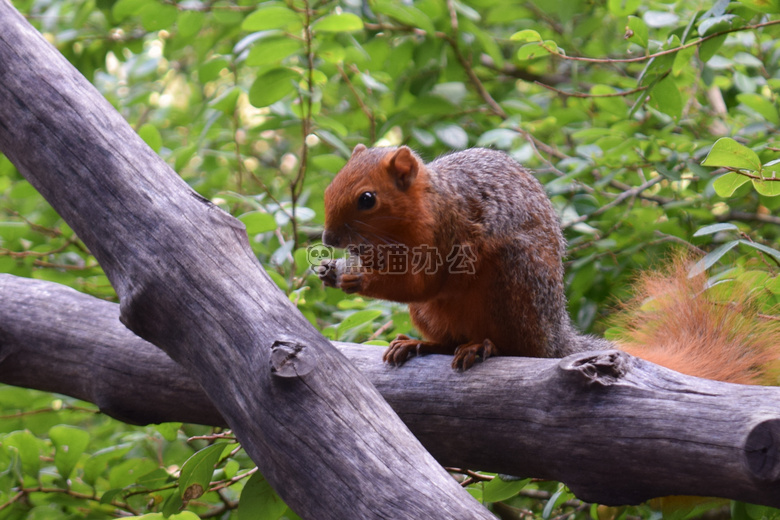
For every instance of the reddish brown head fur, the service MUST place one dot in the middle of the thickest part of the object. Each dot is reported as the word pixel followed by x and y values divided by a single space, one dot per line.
pixel 379 197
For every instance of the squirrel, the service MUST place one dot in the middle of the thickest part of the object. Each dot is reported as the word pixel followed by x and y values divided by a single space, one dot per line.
pixel 472 243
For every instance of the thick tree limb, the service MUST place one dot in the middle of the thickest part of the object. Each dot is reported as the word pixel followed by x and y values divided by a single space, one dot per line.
pixel 189 283
pixel 616 429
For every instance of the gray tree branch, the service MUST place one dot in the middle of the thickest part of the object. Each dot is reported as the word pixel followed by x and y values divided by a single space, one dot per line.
pixel 189 283
pixel 616 429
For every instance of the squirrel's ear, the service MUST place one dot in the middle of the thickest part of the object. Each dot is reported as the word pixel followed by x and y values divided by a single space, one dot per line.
pixel 358 148
pixel 402 167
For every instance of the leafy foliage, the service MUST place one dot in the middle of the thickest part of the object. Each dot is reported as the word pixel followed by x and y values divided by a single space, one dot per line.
pixel 653 126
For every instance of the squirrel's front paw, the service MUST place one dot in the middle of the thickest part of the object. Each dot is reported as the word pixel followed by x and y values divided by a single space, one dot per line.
pixel 327 271
pixel 350 282
pixel 334 273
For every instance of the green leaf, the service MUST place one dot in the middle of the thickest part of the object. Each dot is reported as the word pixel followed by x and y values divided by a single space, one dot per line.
pixel 502 138
pixel 155 16
pixel 771 169
pixel 110 495
pixel 774 285
pixel 328 162
pixel 124 8
pixel 341 22
pixel 530 51
pixel 127 471
pixel 28 447
pixel 453 136
pixel 498 490
pixel 761 105
pixel 172 504
pixel 708 49
pixel 154 479
pixel 358 319
pixel 69 443
pixel 331 52
pixel 526 35
pixel 638 28
pixel 559 497
pixel 612 105
pixel 222 13
pixel 712 257
pixel 273 50
pixel 211 69
pixel 196 472
pixel 257 222
pixel 189 23
pixel 767 188
pixel 169 430
pixel 151 136
pixel 406 14
pixel 99 461
pixel 486 40
pixel 665 97
pixel 715 228
pixel 623 7
pixel 682 60
pixel 226 102
pixel 726 152
pixel 259 501
pixel 727 184
pixel 658 66
pixel 356 303
pixel 761 247
pixel 716 24
pixel 278 279
pixel 762 6
pixel 184 515
pixel 272 86
pixel 272 16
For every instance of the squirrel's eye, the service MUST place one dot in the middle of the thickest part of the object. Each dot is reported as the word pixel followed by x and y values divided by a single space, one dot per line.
pixel 366 200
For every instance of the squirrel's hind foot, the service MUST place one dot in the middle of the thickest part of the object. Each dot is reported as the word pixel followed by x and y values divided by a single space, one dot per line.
pixel 466 354
pixel 400 349
pixel 403 347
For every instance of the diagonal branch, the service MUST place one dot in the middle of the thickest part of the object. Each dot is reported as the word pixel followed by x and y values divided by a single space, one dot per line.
pixel 188 283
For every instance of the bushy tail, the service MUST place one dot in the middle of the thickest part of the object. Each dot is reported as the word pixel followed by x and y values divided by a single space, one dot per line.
pixel 715 333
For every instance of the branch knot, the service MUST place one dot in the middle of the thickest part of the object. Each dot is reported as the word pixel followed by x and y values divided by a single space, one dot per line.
pixel 603 367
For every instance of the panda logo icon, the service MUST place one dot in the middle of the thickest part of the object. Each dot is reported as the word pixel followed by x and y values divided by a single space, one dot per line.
pixel 318 253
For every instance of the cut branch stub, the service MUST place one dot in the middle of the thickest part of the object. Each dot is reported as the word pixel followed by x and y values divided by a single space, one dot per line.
pixel 291 358
pixel 762 450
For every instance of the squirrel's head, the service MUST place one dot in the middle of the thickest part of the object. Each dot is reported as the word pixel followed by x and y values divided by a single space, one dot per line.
pixel 376 198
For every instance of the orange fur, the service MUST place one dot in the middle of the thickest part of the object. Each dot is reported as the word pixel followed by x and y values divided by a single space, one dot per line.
pixel 679 323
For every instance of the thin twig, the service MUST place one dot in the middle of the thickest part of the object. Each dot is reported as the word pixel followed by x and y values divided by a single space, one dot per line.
pixel 583 95
pixel 664 52
pixel 620 198
pixel 363 107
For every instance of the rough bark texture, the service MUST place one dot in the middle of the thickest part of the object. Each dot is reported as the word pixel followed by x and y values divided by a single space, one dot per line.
pixel 189 283
pixel 616 429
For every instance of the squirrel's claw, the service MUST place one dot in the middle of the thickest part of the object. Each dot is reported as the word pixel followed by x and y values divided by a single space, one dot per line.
pixel 466 355
pixel 400 349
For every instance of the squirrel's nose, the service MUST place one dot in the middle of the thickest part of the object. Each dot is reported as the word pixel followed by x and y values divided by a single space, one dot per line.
pixel 329 238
